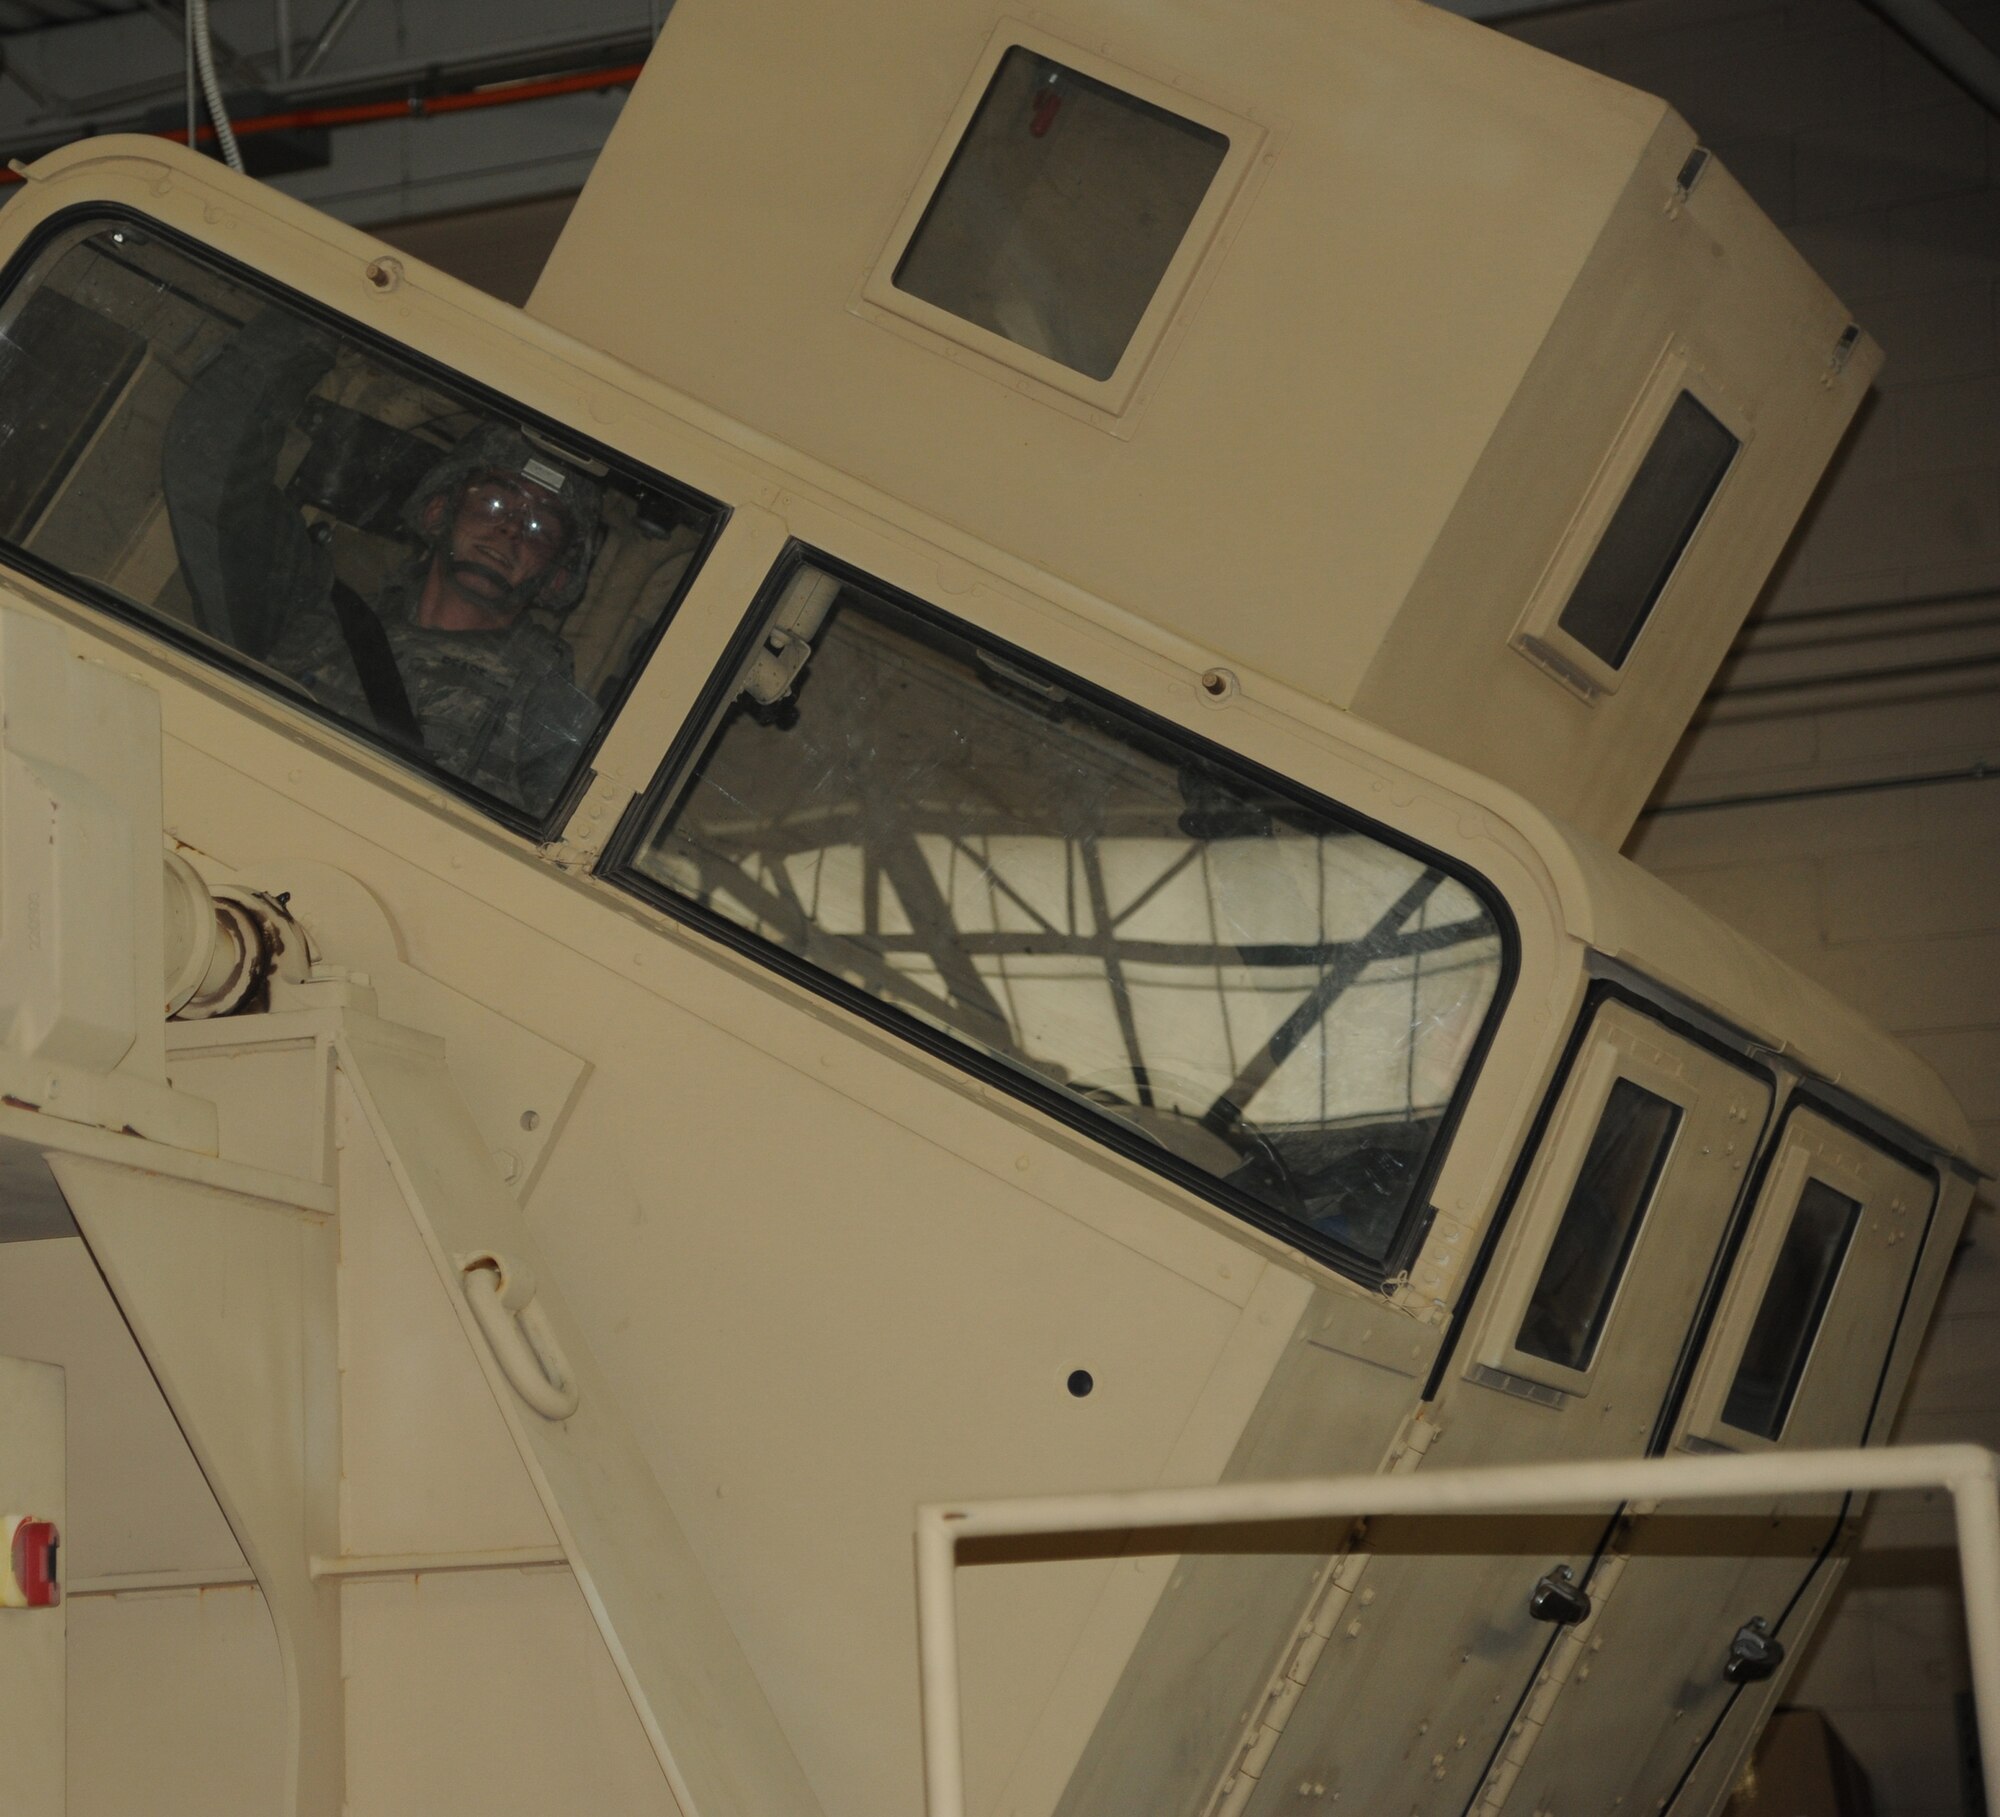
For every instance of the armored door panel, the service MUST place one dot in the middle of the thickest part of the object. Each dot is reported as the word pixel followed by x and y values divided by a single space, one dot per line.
pixel 1703 1594
pixel 1569 1353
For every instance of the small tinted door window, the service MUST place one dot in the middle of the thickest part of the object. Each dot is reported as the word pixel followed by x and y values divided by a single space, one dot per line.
pixel 1599 1225
pixel 1227 979
pixel 1794 1303
pixel 1649 532
pixel 413 558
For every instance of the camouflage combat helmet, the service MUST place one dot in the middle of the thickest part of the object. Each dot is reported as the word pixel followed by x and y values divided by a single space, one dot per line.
pixel 495 448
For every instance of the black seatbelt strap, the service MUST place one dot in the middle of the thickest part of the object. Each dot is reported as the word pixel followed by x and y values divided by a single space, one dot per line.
pixel 375 663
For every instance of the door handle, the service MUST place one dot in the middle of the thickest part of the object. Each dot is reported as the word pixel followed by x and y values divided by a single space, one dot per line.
pixel 1754 1654
pixel 1557 1598
pixel 501 1294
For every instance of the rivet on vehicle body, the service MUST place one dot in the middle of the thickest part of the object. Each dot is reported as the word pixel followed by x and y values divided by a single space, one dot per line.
pixel 383 274
pixel 1218 687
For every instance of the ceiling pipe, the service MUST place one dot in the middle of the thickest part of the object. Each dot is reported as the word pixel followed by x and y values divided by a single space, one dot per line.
pixel 1486 11
pixel 329 36
pixel 173 21
pixel 66 117
pixel 1956 49
pixel 415 107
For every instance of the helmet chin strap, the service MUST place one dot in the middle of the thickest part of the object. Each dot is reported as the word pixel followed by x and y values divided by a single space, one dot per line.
pixel 506 605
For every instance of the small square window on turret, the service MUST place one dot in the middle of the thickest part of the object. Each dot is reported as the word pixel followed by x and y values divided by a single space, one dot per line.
pixel 1060 219
pixel 1060 212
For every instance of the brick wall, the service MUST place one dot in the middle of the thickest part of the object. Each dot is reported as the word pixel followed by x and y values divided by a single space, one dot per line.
pixel 1830 800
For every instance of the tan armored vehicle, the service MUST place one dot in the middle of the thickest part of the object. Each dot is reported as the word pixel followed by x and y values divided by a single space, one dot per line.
pixel 946 829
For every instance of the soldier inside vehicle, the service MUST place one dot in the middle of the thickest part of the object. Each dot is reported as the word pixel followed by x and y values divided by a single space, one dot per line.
pixel 413 558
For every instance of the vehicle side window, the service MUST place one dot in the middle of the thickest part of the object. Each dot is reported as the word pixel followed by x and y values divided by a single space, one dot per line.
pixel 1650 531
pixel 1600 1223
pixel 1816 1294
pixel 1224 977
pixel 422 563
pixel 1791 1311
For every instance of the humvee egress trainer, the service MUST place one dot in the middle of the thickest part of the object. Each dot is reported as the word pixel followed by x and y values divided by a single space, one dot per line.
pixel 947 828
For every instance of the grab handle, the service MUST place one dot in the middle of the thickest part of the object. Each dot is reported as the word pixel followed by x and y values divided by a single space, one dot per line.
pixel 1754 1654
pixel 501 1294
pixel 1557 1598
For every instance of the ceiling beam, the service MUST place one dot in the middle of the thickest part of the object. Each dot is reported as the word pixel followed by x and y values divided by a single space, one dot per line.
pixel 1930 25
pixel 1489 10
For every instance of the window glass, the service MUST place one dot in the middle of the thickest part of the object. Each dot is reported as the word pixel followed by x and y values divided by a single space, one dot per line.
pixel 1579 1280
pixel 1653 525
pixel 1060 212
pixel 371 539
pixel 1247 991
pixel 1788 1318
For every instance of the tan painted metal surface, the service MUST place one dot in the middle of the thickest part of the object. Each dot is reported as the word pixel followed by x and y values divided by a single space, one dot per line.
pixel 567 1291
pixel 1438 280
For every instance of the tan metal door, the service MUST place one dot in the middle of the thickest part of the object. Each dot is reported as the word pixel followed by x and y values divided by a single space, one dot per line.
pixel 1570 1351
pixel 1794 1361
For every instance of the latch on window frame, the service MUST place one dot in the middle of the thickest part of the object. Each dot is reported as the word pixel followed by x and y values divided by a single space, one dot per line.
pixel 785 646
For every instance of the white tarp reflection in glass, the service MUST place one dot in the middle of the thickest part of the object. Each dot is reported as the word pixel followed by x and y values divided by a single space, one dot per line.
pixel 1255 987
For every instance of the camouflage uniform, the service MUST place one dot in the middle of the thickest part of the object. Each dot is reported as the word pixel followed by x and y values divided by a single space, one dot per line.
pixel 497 708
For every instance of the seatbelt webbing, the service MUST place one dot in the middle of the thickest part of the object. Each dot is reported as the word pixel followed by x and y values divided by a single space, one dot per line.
pixel 375 663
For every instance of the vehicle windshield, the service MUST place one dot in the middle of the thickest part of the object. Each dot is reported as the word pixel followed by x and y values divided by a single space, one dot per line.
pixel 433 569
pixel 1233 983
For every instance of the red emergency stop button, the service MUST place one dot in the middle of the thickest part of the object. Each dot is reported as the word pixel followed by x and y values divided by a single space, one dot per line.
pixel 30 1579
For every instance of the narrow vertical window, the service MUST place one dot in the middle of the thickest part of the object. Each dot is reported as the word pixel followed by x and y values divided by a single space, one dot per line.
pixel 1600 1224
pixel 1649 532
pixel 1789 1316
